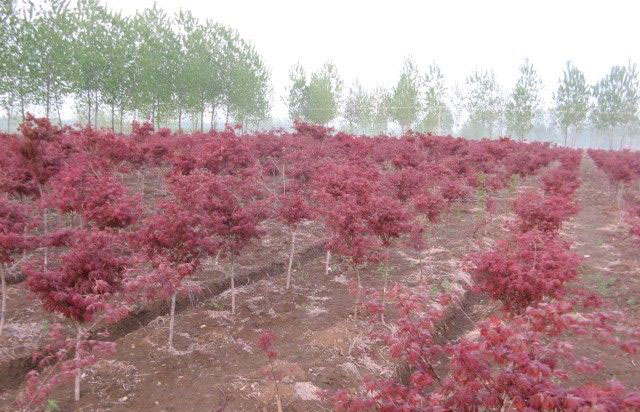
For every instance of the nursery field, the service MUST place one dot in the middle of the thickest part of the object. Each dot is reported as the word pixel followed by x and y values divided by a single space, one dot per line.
pixel 315 271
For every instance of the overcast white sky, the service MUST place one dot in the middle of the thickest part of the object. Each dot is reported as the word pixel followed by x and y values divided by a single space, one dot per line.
pixel 369 39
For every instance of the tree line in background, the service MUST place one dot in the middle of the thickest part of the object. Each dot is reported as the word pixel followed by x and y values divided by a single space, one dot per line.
pixel 178 72
pixel 479 107
pixel 168 69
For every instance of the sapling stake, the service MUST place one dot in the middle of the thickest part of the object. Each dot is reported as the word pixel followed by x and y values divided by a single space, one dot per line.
pixel 172 320
pixel 233 287
pixel 293 245
pixel 326 263
pixel 3 309
pixel 77 359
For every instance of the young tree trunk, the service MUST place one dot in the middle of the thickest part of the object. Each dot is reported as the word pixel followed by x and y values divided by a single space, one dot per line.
pixel 620 191
pixel 610 139
pixel 89 111
pixel 172 320
pixel 113 117
pixel 78 369
pixel 226 122
pixel 121 115
pixel 355 307
pixel 57 99
pixel 8 120
pixel 326 263
pixel 3 305
pixel 47 97
pixel 45 227
pixel 202 119
pixel 291 251
pixel 284 179
pixel 213 114
pixel 233 286
pixel 95 117
pixel 180 119
pixel 22 106
pixel 386 281
pixel 157 125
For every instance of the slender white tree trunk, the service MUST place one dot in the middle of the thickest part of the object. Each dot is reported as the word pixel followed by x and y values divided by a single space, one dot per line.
pixel 326 263
pixel 172 320
pixel 78 369
pixel 3 308
pixel 233 286
pixel 293 245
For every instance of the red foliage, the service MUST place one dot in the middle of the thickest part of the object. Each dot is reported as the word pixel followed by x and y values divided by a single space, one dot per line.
pixel 514 363
pixel 265 343
pixel 525 268
pixel 56 356
pixel 87 276
pixel 429 204
pixel 14 218
pixel 88 189
pixel 560 181
pixel 316 131
pixel 141 130
pixel 546 213
pixel 229 208
pixel 387 219
pixel 621 167
pixel 294 209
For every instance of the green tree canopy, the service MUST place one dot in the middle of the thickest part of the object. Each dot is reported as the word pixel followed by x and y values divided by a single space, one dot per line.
pixel 571 100
pixel 405 103
pixel 524 102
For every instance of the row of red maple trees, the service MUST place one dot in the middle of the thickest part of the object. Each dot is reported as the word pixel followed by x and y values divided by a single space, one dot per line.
pixel 521 359
pixel 622 168
pixel 137 216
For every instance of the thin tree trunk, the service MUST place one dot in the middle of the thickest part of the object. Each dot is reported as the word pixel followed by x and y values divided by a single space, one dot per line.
pixel 284 179
pixel 386 281
pixel 58 111
pixel 355 307
pixel 180 119
pixel 172 320
pixel 45 260
pixel 226 122
pixel 78 369
pixel 213 113
pixel 233 286
pixel 121 115
pixel 22 106
pixel 326 263
pixel 3 306
pixel 202 119
pixel 215 126
pixel 113 117
pixel 48 97
pixel 96 110
pixel 291 251
pixel 89 111
pixel 8 120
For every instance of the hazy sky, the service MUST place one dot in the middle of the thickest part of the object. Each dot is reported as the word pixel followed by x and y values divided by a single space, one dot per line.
pixel 369 39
